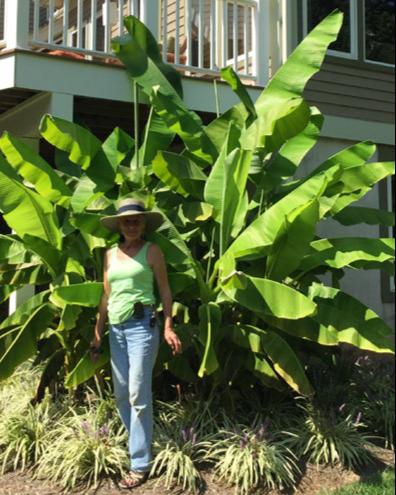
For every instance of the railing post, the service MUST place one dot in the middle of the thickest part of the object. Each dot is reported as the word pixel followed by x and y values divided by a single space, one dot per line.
pixel 16 29
pixel 150 15
pixel 262 34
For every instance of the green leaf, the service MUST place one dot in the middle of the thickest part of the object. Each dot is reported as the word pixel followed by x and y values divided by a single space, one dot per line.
pixel 24 210
pixel 34 169
pixel 354 215
pixel 149 45
pixel 12 251
pixel 117 147
pixel 84 194
pixel 342 252
pixel 261 368
pixel 157 137
pixel 225 188
pixel 356 182
pixel 293 241
pixel 179 174
pixel 209 328
pixel 87 294
pixel 229 75
pixel 292 153
pixel 268 297
pixel 284 359
pixel 257 240
pixel 24 274
pixel 354 322
pixel 21 343
pixel 303 63
pixel 83 147
pixel 86 368
pixel 90 223
pixel 50 256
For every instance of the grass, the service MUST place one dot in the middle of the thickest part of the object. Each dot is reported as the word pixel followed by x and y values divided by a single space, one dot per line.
pixel 376 485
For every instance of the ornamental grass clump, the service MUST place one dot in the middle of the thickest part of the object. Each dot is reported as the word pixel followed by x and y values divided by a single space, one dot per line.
pixel 248 457
pixel 329 437
pixel 183 433
pixel 25 436
pixel 83 450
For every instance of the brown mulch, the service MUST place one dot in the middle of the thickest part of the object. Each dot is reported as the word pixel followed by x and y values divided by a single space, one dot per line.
pixel 313 481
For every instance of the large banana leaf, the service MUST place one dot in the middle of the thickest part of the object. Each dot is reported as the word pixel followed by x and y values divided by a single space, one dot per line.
pixel 50 256
pixel 83 147
pixel 117 147
pixel 84 194
pixel 21 343
pixel 210 317
pixel 357 182
pixel 157 137
pixel 87 294
pixel 225 188
pixel 268 297
pixel 229 75
pixel 284 359
pixel 12 250
pixel 353 215
pixel 24 274
pixel 5 293
pixel 303 63
pixel 342 252
pixel 261 368
pixel 144 67
pixel 292 153
pixel 292 241
pixel 34 169
pixel 25 211
pixel 354 322
pixel 180 174
pixel 86 368
pixel 256 241
pixel 90 223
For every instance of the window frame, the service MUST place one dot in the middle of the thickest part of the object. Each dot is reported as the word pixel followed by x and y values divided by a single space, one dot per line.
pixel 353 13
pixel 364 48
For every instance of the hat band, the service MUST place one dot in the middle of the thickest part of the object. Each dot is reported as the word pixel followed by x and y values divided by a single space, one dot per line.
pixel 123 209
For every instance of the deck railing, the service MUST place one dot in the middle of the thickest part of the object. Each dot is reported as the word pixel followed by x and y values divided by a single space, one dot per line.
pixel 197 36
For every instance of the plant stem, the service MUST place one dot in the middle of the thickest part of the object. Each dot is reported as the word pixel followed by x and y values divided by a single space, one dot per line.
pixel 136 121
pixel 210 256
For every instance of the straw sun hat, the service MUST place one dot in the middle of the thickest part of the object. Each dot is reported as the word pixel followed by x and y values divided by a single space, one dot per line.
pixel 131 207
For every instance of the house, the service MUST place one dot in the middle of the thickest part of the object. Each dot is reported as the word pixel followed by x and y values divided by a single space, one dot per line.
pixel 55 57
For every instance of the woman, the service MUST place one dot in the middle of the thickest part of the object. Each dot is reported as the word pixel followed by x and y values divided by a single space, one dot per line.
pixel 129 304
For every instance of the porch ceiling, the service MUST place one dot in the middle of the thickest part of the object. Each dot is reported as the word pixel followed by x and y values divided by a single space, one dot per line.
pixel 10 98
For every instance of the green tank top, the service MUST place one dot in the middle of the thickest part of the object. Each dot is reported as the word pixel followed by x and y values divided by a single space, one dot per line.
pixel 131 281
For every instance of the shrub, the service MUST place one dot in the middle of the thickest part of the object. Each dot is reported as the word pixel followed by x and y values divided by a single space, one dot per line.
pixel 183 433
pixel 328 437
pixel 248 457
pixel 82 449
pixel 25 436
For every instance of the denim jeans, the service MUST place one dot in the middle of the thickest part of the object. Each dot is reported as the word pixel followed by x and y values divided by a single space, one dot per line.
pixel 134 349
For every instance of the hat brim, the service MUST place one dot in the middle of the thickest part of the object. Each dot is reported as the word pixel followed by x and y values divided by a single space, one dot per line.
pixel 154 220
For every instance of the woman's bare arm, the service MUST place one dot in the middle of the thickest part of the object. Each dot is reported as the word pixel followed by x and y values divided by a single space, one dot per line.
pixel 102 309
pixel 157 262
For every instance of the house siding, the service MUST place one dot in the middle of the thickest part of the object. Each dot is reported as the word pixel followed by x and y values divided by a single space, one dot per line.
pixel 358 92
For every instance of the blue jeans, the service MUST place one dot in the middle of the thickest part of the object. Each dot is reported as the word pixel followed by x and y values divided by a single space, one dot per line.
pixel 134 349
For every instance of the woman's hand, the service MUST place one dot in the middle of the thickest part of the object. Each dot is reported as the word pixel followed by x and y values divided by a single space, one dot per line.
pixel 173 341
pixel 94 349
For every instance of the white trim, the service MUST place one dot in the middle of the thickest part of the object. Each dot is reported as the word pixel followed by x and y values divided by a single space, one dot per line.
pixel 374 62
pixel 353 14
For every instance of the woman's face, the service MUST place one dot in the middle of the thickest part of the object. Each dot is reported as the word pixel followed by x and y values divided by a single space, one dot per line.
pixel 132 228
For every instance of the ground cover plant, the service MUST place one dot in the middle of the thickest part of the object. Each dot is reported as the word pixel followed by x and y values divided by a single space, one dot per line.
pixel 239 238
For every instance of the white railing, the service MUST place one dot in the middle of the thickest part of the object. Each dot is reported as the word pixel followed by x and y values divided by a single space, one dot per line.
pixel 197 36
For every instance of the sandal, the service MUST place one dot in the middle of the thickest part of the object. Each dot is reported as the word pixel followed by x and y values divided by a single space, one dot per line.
pixel 133 479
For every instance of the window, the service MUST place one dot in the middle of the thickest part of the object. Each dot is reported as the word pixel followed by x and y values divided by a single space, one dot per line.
pixel 379 30
pixel 316 10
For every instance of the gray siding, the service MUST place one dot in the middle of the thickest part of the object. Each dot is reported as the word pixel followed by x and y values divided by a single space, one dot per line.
pixel 346 89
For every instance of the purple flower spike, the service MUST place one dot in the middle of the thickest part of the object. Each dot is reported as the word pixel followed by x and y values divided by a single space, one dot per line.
pixel 85 426
pixel 359 418
pixel 342 407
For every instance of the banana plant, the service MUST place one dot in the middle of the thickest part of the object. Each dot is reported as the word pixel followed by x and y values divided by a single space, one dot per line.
pixel 240 231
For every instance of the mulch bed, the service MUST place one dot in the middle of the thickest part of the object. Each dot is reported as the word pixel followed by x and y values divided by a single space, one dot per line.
pixel 313 481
